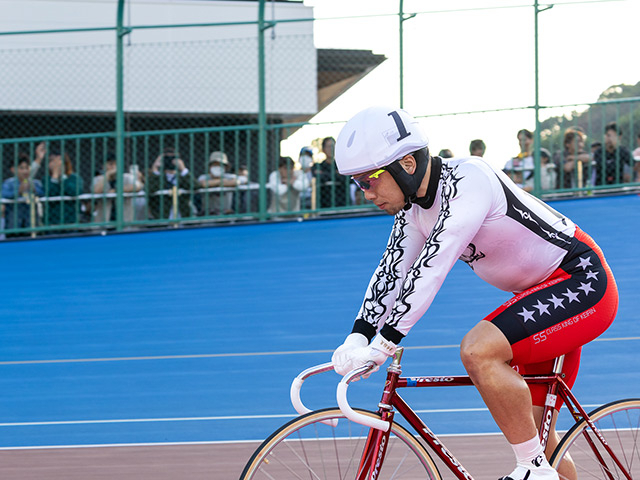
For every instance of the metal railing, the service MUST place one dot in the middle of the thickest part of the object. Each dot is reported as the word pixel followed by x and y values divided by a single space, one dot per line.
pixel 120 131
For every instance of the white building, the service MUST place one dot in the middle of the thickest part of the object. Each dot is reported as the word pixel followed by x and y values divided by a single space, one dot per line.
pixel 171 75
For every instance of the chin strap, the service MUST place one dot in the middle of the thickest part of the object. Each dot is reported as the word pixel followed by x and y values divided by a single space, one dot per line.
pixel 426 202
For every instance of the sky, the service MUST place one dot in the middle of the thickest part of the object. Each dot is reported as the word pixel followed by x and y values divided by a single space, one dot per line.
pixel 469 56
pixel 459 56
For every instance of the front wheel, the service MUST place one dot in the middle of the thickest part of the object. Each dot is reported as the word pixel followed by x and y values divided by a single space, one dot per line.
pixel 307 448
pixel 619 424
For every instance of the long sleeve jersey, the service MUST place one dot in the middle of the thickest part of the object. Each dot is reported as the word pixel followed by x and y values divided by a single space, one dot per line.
pixel 508 237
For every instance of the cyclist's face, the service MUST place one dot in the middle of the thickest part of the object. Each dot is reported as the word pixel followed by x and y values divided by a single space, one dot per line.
pixel 380 188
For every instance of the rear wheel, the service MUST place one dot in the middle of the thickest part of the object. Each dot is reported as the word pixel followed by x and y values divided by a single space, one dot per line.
pixel 619 424
pixel 306 448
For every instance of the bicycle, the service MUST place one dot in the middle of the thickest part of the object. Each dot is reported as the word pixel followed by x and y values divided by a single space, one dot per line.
pixel 347 443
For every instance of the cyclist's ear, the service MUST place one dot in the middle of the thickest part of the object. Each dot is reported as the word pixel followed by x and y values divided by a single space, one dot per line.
pixel 408 162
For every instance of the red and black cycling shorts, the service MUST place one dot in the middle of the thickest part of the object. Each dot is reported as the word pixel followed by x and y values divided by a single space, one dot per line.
pixel 569 309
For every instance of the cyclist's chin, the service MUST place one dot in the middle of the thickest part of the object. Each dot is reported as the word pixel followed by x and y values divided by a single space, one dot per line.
pixel 392 209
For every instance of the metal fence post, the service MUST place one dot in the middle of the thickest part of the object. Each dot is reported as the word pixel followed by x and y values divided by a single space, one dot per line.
pixel 537 185
pixel 537 189
pixel 402 19
pixel 401 58
pixel 119 133
pixel 262 118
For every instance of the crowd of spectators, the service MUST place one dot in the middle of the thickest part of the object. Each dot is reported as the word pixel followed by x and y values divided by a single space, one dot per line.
pixel 574 166
pixel 46 191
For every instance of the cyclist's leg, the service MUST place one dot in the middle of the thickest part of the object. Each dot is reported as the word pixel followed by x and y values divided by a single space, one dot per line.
pixel 539 394
pixel 572 307
pixel 486 354
pixel 569 369
pixel 567 469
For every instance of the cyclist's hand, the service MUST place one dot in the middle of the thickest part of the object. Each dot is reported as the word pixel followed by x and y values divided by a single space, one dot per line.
pixel 355 353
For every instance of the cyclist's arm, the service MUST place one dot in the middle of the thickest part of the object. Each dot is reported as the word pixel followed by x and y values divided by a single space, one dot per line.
pixel 405 242
pixel 467 198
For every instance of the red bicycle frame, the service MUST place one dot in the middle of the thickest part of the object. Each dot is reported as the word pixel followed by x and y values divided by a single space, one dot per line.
pixel 377 441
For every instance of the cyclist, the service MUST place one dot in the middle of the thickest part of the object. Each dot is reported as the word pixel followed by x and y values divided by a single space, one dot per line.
pixel 564 292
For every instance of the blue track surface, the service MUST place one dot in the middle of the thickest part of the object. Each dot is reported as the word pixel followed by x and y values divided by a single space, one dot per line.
pixel 195 335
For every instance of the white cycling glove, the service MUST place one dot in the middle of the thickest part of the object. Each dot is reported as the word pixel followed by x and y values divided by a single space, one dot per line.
pixel 355 352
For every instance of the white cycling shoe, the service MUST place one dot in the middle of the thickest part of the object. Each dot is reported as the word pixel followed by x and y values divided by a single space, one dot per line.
pixel 525 472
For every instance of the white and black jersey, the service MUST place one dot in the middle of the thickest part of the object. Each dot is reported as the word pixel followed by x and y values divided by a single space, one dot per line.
pixel 508 237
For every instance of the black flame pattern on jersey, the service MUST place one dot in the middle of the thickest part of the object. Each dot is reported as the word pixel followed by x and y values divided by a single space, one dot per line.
pixel 386 275
pixel 431 248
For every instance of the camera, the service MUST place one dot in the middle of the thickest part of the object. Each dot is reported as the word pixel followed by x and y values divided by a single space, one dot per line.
pixel 167 161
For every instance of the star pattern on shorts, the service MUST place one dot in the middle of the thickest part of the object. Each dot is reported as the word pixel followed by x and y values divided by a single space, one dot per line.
pixel 586 288
pixel 557 302
pixel 584 263
pixel 542 308
pixel 592 274
pixel 527 315
pixel 572 296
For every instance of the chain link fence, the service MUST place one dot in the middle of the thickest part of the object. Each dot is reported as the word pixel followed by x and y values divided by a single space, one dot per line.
pixel 143 124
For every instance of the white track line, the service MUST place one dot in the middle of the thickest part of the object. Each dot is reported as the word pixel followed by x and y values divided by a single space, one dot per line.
pixel 178 444
pixel 179 357
pixel 218 418
pixel 229 355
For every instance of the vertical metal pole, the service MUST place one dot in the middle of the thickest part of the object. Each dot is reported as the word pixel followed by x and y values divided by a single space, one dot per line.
pixel 401 41
pixel 262 118
pixel 120 33
pixel 537 188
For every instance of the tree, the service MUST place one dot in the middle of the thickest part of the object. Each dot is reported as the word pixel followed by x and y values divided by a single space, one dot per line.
pixel 618 103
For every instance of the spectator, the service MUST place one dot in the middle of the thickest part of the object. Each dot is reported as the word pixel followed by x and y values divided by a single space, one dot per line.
pixel 332 187
pixel 306 164
pixel 21 214
pixel 636 158
pixel 548 174
pixel 445 153
pixel 104 188
pixel 521 167
pixel 243 171
pixel 636 152
pixel 40 152
pixel 613 163
pixel 139 201
pixel 572 159
pixel 168 172
pixel 61 182
pixel 218 203
pixel 286 184
pixel 477 148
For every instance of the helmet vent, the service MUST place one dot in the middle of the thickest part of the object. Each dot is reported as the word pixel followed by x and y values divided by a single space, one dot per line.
pixel 391 136
pixel 350 141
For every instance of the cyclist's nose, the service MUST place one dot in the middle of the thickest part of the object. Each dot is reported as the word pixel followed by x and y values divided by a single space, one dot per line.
pixel 369 194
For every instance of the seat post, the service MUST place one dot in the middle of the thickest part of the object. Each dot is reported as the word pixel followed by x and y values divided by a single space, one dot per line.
pixel 558 364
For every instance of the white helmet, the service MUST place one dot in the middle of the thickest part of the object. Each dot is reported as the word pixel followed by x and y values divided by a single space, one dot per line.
pixel 376 137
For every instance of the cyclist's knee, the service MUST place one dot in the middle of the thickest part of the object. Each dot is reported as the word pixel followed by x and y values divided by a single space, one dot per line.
pixel 484 343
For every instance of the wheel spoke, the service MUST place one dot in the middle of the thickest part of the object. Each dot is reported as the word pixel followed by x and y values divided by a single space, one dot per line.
pixel 619 424
pixel 306 449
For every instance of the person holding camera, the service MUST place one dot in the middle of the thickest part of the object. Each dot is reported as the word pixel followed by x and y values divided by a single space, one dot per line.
pixel 103 187
pixel 169 175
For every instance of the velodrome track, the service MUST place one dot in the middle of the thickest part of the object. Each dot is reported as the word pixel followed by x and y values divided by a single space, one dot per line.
pixel 162 355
